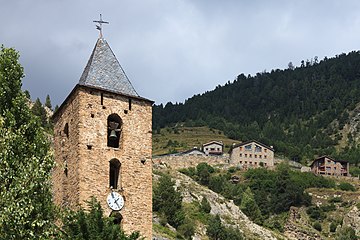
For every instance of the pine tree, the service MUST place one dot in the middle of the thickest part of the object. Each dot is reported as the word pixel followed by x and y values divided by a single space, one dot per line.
pixel 40 111
pixel 249 206
pixel 205 205
pixel 25 162
pixel 167 201
pixel 48 102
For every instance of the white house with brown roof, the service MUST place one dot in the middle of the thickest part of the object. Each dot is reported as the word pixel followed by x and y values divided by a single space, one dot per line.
pixel 252 154
pixel 328 166
pixel 213 148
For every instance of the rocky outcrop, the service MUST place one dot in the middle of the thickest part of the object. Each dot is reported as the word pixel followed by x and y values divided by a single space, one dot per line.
pixel 226 209
pixel 297 228
pixel 352 219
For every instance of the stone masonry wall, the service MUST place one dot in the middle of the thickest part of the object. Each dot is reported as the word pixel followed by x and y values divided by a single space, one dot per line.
pixel 65 175
pixel 135 180
pixel 178 161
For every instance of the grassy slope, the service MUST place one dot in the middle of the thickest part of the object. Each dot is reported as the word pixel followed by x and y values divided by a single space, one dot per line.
pixel 186 138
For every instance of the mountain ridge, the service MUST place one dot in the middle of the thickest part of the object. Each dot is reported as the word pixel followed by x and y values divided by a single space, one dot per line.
pixel 291 109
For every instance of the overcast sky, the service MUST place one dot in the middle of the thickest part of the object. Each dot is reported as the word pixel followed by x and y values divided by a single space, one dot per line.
pixel 173 49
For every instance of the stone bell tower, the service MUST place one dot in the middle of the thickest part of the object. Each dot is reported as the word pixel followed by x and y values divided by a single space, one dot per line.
pixel 102 143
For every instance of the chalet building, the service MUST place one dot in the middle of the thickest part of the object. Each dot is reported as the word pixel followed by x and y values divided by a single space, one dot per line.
pixel 213 148
pixel 328 166
pixel 252 154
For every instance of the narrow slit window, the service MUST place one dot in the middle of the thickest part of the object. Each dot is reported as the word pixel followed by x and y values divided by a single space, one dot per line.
pixel 129 104
pixel 102 99
pixel 66 130
pixel 114 174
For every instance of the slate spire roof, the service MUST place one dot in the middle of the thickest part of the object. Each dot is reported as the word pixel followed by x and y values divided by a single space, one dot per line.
pixel 103 71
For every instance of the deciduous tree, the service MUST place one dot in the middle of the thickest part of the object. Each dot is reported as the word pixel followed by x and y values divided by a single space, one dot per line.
pixel 25 162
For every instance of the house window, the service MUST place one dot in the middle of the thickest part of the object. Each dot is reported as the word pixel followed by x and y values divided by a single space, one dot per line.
pixel 245 155
pixel 250 155
pixel 260 156
pixel 265 156
pixel 257 149
pixel 240 154
pixel 114 127
pixel 245 162
pixel 265 164
pixel 255 156
pixel 114 173
pixel 240 162
pixel 129 104
pixel 265 150
pixel 240 148
pixel 248 147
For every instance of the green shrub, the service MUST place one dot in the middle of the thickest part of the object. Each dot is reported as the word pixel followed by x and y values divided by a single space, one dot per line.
pixel 187 229
pixel 191 171
pixel 203 171
pixel 315 213
pixel 92 224
pixel 205 205
pixel 216 231
pixel 335 200
pixel 346 233
pixel 345 186
pixel 333 227
pixel 354 171
pixel 317 226
pixel 328 207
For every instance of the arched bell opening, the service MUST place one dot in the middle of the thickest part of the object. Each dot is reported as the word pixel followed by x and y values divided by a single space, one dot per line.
pixel 114 127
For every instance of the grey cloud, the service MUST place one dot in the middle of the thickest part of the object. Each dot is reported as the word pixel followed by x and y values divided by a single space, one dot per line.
pixel 172 50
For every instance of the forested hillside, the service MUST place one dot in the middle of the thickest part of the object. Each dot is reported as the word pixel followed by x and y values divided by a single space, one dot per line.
pixel 299 110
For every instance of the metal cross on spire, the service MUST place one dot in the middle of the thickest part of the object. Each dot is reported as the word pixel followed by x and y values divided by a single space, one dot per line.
pixel 99 27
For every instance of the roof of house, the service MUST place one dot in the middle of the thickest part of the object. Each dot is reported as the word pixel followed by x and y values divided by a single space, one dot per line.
pixel 212 142
pixel 192 150
pixel 247 142
pixel 322 157
pixel 105 72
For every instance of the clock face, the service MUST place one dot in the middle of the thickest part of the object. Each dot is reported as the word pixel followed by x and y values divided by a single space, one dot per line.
pixel 115 201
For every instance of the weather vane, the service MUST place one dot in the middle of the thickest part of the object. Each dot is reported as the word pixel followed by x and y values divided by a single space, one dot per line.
pixel 99 27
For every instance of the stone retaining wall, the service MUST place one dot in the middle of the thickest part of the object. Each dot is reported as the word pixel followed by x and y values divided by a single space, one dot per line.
pixel 182 161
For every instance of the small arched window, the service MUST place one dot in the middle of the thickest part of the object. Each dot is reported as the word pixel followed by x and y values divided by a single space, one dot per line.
pixel 114 173
pixel 114 125
pixel 117 217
